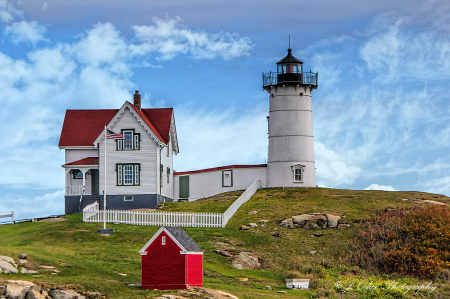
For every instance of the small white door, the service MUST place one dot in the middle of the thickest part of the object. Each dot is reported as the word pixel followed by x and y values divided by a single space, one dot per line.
pixel 227 178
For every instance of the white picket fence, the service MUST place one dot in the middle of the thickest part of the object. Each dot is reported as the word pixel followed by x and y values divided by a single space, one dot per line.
pixel 91 213
pixel 241 200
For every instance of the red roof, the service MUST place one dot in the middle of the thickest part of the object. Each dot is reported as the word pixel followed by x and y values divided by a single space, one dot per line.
pixel 219 168
pixel 84 161
pixel 82 127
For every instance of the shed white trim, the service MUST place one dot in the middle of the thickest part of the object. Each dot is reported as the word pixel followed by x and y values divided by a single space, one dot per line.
pixel 163 229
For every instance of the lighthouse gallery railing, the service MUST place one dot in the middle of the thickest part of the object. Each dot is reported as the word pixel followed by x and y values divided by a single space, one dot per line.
pixel 274 78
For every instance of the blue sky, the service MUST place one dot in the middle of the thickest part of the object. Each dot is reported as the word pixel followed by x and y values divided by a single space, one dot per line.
pixel 381 112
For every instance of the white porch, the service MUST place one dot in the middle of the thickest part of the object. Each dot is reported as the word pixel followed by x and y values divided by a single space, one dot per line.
pixel 81 178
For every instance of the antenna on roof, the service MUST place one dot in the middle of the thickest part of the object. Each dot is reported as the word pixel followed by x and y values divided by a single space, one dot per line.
pixel 289 41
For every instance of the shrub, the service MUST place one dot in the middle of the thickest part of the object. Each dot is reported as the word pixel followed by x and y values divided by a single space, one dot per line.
pixel 408 242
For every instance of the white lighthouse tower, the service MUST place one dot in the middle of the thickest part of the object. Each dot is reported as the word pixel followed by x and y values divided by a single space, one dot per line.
pixel 291 143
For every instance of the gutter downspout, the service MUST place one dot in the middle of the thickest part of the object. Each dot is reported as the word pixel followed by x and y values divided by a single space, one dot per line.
pixel 160 172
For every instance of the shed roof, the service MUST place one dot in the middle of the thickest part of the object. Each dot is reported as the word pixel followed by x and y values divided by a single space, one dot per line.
pixel 184 239
pixel 179 236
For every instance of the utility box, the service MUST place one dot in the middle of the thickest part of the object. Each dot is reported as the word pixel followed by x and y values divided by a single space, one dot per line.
pixel 297 283
pixel 171 260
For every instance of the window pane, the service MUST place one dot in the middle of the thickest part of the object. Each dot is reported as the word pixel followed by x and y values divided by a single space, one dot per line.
pixel 128 143
pixel 298 175
pixel 136 174
pixel 136 141
pixel 119 144
pixel 128 174
pixel 119 175
pixel 78 174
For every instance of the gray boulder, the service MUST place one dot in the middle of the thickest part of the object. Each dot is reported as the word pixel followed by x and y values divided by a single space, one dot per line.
pixel 288 223
pixel 25 271
pixel 333 220
pixel 243 227
pixel 34 294
pixel 7 259
pixel 16 291
pixel 245 261
pixel 67 294
pixel 23 256
pixel 312 221
pixel 252 225
pixel 7 267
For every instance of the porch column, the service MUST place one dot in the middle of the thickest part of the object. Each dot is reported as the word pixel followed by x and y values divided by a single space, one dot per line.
pixel 66 191
pixel 84 170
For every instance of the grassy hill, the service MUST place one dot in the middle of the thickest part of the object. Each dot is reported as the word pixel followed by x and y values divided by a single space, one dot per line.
pixel 90 262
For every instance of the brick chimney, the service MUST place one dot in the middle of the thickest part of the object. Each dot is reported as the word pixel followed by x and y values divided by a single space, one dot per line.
pixel 137 99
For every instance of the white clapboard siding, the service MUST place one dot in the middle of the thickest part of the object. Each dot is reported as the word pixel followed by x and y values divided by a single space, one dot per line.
pixel 78 154
pixel 91 213
pixel 146 156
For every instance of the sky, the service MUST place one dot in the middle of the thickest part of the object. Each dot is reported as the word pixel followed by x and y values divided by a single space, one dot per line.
pixel 381 113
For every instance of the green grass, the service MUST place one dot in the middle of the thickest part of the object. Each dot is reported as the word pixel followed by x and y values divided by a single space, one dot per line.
pixel 91 262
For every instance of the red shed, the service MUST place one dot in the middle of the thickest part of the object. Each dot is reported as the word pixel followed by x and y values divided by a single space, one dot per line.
pixel 171 260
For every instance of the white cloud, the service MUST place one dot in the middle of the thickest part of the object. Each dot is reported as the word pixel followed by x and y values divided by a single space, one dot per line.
pixel 7 12
pixel 397 52
pixel 380 187
pixel 45 6
pixel 26 207
pixel 102 45
pixel 171 37
pixel 26 32
pixel 219 138
pixel 438 186
pixel 333 169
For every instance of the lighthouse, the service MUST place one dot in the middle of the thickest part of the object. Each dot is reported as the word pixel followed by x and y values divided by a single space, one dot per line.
pixel 291 143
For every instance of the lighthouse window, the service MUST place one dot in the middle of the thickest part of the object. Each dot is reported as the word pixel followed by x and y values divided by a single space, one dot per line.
pixel 298 173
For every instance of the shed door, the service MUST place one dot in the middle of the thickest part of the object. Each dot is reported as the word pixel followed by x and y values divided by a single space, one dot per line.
pixel 184 186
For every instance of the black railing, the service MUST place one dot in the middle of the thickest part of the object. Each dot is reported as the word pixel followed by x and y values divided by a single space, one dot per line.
pixel 308 78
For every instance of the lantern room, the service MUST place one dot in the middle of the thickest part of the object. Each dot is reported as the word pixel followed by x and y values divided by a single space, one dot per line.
pixel 290 72
pixel 289 69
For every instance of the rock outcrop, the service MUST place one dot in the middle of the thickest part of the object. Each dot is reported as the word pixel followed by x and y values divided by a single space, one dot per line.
pixel 21 289
pixel 314 221
pixel 245 261
pixel 311 221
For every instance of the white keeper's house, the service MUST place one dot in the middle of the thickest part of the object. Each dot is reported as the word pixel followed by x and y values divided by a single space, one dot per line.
pixel 139 169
